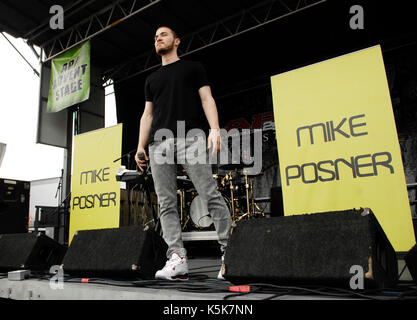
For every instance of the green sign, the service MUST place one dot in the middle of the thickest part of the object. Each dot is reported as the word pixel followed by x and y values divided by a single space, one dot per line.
pixel 70 78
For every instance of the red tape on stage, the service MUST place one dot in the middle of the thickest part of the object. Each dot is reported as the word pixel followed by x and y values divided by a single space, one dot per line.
pixel 239 288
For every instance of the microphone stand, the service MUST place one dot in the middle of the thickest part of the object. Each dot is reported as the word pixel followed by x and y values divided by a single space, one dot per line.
pixel 127 155
pixel 60 186
pixel 148 194
pixel 146 183
pixel 63 214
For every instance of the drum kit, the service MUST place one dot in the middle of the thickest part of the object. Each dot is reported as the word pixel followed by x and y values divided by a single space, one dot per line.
pixel 234 182
pixel 236 186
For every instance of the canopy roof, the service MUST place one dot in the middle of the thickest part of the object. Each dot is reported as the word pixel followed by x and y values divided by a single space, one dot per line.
pixel 293 32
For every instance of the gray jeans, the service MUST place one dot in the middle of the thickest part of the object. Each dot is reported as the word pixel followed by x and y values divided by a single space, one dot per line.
pixel 165 180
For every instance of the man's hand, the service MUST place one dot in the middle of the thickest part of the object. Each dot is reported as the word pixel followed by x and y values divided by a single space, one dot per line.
pixel 141 162
pixel 214 141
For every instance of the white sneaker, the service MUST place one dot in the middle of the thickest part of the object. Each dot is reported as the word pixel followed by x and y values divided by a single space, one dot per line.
pixel 222 270
pixel 175 268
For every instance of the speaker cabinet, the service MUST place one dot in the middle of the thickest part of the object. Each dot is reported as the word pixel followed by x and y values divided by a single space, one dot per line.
pixel 122 252
pixel 31 251
pixel 14 206
pixel 316 248
pixel 277 205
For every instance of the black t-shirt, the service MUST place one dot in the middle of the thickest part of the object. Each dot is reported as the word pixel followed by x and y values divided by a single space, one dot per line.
pixel 173 90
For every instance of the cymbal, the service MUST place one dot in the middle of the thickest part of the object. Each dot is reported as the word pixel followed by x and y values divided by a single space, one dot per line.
pixel 249 173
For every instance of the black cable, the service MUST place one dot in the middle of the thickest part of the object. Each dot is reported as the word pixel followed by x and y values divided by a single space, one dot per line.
pixel 73 279
pixel 125 282
pixel 276 295
pixel 159 283
pixel 194 284
pixel 330 290
pixel 235 295
pixel 105 282
pixel 301 290
pixel 198 268
pixel 366 293
pixel 39 277
pixel 266 288
pixel 411 292
pixel 201 283
pixel 187 286
pixel 143 283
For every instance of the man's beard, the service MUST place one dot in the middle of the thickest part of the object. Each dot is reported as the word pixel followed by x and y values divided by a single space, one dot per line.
pixel 164 51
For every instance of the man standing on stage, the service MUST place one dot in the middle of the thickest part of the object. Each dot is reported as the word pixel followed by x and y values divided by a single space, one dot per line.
pixel 179 92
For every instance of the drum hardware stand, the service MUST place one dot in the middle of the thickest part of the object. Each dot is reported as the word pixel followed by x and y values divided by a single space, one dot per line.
pixel 250 203
pixel 252 195
pixel 145 178
pixel 186 222
pixel 234 215
pixel 182 205
pixel 248 213
pixel 247 194
pixel 253 201
pixel 181 193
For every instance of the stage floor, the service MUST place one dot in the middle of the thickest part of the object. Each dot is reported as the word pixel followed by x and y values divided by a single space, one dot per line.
pixel 202 285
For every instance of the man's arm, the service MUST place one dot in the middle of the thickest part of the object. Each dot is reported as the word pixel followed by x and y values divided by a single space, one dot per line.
pixel 210 110
pixel 144 131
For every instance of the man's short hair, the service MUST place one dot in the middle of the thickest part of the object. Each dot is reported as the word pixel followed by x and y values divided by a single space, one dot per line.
pixel 172 30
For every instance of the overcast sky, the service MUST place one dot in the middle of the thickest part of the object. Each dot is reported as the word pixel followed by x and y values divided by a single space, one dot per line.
pixel 19 94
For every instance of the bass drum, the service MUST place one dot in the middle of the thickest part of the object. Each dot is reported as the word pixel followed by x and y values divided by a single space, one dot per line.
pixel 199 214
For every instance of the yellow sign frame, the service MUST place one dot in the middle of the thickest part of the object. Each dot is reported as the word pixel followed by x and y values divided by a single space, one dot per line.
pixel 337 142
pixel 95 192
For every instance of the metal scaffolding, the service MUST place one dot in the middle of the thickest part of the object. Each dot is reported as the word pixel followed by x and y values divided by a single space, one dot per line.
pixel 118 11
pixel 91 26
pixel 227 28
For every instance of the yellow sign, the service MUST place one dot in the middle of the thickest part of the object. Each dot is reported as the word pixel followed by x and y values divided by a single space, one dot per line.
pixel 337 142
pixel 95 192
